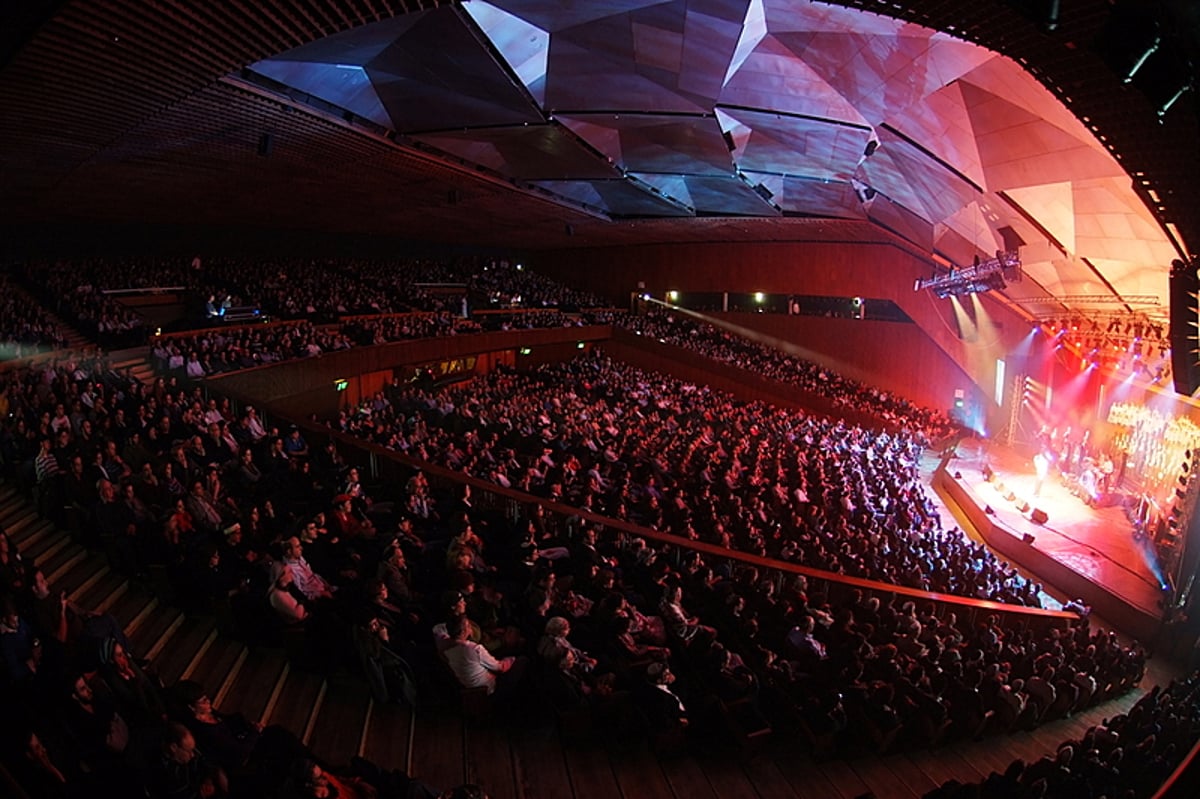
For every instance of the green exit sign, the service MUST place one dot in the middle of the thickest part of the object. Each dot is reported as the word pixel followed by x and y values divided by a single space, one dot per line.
pixel 341 385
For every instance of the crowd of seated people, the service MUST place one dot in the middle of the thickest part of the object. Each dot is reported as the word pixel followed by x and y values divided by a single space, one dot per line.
pixel 736 350
pixel 229 509
pixel 504 284
pixel 1129 755
pixel 684 459
pixel 25 328
pixel 428 583
pixel 217 350
pixel 76 292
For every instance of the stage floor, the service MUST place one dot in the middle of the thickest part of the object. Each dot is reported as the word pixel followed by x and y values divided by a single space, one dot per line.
pixel 1096 543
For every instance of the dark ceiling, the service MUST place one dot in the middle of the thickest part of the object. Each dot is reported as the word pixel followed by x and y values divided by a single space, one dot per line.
pixel 120 110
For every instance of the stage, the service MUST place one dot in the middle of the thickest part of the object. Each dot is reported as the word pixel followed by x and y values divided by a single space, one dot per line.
pixel 1082 551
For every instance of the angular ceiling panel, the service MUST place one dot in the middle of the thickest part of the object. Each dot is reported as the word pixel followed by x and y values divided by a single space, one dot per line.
pixel 772 77
pixel 971 224
pixel 940 190
pixel 941 123
pixel 807 197
pixel 650 143
pixel 344 85
pixel 1019 148
pixel 437 76
pixel 901 221
pixel 1053 205
pixel 620 198
pixel 746 107
pixel 795 145
pixel 712 195
pixel 534 152
pixel 560 15
pixel 523 45
pixel 582 79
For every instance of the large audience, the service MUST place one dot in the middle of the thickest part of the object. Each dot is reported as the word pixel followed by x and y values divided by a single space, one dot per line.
pixel 684 459
pixel 720 344
pixel 424 588
pixel 288 538
pixel 25 328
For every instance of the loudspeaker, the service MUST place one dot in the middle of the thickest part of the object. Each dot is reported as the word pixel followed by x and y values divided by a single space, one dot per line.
pixel 988 474
pixel 1023 506
pixel 1011 497
pixel 1000 489
pixel 1028 538
pixel 1184 284
pixel 1038 516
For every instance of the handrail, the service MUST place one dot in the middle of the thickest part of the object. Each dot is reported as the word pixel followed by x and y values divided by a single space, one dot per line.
pixel 145 290
pixel 196 331
pixel 1184 779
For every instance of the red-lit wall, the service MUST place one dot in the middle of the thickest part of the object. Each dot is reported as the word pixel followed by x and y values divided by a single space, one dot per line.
pixel 925 362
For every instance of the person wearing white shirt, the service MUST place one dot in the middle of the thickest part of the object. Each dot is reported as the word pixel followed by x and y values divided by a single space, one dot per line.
pixel 475 667
pixel 311 584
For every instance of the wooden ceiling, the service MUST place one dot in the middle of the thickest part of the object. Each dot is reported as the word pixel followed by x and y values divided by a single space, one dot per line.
pixel 123 111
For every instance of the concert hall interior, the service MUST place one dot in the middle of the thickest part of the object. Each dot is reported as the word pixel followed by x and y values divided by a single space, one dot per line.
pixel 599 398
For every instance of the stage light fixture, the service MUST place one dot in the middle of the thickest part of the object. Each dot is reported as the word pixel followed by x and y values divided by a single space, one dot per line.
pixel 993 274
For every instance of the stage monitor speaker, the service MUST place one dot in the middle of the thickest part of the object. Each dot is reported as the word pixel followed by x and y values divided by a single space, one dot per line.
pixel 1023 506
pixel 1184 342
pixel 988 474
pixel 1028 538
pixel 1000 489
pixel 1038 516
pixel 1011 497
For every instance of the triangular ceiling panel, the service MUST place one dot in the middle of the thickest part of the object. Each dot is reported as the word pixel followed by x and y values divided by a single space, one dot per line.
pixel 560 15
pixel 345 85
pixel 523 45
pixel 884 173
pixel 357 46
pixel 437 76
pixel 1001 77
pixel 582 79
pixel 620 198
pixel 754 30
pixel 1053 205
pixel 712 195
pixel 971 224
pixel 807 197
pixel 796 145
pixel 901 221
pixel 941 123
pixel 1019 148
pixel 650 143
pixel 772 77
pixel 941 191
pixel 534 152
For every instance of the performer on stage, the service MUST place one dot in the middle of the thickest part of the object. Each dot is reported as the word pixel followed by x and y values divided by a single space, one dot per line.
pixel 1041 464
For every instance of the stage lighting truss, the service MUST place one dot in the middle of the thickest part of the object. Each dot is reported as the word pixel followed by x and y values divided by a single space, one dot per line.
pixel 1131 337
pixel 993 274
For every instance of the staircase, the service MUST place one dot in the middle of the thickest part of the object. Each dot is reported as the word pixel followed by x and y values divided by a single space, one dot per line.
pixel 75 339
pixel 136 362
pixel 336 717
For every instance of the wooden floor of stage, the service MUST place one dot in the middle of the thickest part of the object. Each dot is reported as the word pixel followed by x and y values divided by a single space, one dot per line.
pixel 1095 542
